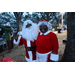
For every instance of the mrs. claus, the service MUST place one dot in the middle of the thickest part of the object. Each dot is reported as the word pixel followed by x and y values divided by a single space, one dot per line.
pixel 46 43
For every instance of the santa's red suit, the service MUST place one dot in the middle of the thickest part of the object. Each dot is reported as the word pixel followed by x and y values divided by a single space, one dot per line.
pixel 46 46
pixel 30 55
pixel 28 38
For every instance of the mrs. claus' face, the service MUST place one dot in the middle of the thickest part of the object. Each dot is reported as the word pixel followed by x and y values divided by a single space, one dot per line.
pixel 43 28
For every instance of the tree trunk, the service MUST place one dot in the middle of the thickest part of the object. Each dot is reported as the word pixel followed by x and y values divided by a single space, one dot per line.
pixel 18 16
pixel 18 25
pixel 69 53
pixel 48 17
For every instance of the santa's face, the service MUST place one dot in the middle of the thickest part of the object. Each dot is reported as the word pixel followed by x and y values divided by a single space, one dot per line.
pixel 29 31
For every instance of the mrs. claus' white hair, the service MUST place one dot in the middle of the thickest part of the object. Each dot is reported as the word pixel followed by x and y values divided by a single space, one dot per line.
pixel 46 23
pixel 31 32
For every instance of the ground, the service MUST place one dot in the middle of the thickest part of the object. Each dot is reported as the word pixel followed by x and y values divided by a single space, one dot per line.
pixel 18 52
pixel 61 36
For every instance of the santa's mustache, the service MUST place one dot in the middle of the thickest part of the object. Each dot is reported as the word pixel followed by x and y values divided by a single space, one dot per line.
pixel 28 25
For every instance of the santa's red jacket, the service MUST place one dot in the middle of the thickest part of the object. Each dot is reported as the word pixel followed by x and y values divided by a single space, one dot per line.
pixel 47 47
pixel 30 55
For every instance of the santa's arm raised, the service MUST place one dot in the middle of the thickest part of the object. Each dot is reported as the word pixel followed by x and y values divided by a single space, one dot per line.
pixel 17 39
pixel 54 41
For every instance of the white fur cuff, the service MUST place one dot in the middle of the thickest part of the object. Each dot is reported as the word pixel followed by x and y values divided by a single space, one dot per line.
pixel 54 57
pixel 17 42
pixel 28 60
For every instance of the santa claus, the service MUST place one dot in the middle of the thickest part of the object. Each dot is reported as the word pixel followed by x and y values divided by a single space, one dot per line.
pixel 46 43
pixel 28 38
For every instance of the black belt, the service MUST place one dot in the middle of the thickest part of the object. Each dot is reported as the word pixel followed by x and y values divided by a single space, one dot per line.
pixel 31 48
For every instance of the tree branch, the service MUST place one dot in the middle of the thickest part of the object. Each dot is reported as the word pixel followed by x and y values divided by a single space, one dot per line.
pixel 42 15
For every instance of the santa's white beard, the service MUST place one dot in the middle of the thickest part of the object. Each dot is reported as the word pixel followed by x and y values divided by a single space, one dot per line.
pixel 30 33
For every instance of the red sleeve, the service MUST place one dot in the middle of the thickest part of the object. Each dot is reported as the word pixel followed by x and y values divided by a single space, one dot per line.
pixel 21 41
pixel 54 42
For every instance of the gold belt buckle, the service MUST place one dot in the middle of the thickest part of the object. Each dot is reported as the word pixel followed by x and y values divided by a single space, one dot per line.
pixel 28 48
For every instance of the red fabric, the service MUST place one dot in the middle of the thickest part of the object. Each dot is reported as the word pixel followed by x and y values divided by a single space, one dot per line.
pixel 54 42
pixel 7 59
pixel 47 43
pixel 43 20
pixel 23 41
pixel 27 55
pixel 34 54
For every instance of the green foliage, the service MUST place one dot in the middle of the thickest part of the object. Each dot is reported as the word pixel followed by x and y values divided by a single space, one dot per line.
pixel 53 17
pixel 35 17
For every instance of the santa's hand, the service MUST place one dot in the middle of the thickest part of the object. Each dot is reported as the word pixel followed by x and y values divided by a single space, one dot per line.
pixel 15 36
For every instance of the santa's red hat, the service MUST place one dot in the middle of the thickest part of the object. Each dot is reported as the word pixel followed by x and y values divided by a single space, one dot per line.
pixel 46 23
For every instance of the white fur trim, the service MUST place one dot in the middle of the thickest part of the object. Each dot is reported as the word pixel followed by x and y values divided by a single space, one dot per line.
pixel 28 43
pixel 46 23
pixel 19 33
pixel 42 57
pixel 30 57
pixel 54 57
pixel 28 60
pixel 17 42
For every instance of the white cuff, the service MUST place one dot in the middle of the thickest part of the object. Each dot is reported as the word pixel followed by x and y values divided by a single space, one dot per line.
pixel 17 42
pixel 54 57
